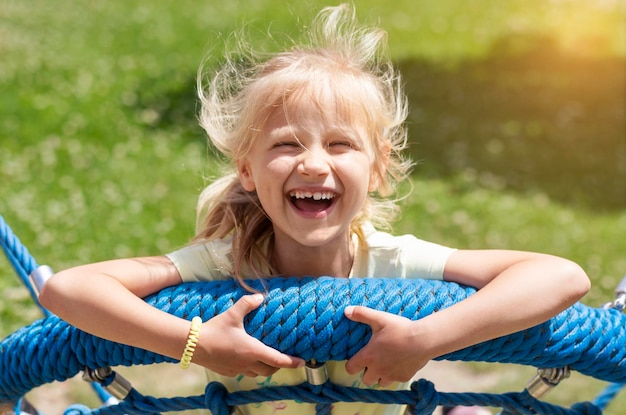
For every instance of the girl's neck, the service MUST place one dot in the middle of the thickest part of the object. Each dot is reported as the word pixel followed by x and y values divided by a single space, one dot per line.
pixel 333 260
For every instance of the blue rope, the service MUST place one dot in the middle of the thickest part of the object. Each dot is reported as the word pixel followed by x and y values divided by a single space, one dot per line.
pixel 24 264
pixel 20 259
pixel 422 397
pixel 304 317
pixel 606 396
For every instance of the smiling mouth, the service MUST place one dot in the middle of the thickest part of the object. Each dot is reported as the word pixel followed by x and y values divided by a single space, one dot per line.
pixel 312 201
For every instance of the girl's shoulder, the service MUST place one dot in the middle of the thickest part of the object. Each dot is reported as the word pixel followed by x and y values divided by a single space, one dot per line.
pixel 376 239
pixel 403 256
pixel 204 260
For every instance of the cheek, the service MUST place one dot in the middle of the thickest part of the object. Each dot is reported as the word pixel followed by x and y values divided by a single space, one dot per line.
pixel 258 164
pixel 374 173
pixel 359 172
pixel 277 167
pixel 271 177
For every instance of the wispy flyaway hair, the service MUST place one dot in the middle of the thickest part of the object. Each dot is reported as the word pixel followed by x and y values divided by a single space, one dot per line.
pixel 336 54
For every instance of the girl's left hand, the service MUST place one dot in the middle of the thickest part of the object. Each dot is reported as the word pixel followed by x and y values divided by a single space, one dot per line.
pixel 393 353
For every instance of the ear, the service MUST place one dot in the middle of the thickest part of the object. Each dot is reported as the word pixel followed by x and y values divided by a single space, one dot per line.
pixel 245 175
pixel 379 167
pixel 374 181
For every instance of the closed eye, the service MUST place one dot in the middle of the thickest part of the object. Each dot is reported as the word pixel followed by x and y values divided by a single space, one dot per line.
pixel 287 144
pixel 340 144
pixel 343 139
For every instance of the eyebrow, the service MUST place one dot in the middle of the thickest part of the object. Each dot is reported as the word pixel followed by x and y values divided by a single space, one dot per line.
pixel 283 132
pixel 347 132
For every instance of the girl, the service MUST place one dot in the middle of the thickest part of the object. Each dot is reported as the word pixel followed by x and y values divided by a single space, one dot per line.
pixel 315 135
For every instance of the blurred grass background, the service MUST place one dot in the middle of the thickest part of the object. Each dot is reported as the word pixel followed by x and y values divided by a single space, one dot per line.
pixel 517 124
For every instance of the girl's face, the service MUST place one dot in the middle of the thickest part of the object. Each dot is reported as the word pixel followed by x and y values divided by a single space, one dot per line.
pixel 311 172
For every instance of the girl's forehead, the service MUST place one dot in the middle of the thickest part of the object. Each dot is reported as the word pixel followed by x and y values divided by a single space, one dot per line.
pixel 307 116
pixel 332 108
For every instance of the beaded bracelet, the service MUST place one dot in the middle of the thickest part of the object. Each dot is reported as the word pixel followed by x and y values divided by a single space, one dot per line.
pixel 192 341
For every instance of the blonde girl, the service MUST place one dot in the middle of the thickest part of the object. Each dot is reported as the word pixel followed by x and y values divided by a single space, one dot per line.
pixel 315 135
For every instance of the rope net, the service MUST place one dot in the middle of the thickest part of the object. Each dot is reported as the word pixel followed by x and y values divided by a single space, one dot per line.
pixel 304 317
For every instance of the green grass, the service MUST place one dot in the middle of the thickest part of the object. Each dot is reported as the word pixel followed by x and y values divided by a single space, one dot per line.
pixel 516 120
pixel 460 212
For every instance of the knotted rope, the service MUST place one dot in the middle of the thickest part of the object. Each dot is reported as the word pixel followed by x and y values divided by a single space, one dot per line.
pixel 422 397
pixel 51 350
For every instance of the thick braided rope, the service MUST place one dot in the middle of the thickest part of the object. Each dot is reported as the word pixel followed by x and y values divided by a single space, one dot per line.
pixel 24 264
pixel 304 317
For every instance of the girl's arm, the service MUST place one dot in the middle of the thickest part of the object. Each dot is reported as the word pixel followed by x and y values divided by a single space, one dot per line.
pixel 105 299
pixel 516 290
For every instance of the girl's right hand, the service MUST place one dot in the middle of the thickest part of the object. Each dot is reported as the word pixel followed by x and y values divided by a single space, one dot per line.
pixel 226 348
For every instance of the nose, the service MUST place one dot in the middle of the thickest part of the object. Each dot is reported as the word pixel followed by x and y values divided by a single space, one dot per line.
pixel 314 163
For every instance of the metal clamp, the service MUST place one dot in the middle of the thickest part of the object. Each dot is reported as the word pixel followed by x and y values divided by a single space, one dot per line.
pixel 39 277
pixel 619 303
pixel 545 380
pixel 119 387
pixel 316 373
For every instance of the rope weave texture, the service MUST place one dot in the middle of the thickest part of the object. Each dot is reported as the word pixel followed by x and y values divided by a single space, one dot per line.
pixel 313 327
pixel 304 317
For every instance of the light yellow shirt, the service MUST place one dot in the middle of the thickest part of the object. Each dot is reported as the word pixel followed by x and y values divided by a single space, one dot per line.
pixel 383 255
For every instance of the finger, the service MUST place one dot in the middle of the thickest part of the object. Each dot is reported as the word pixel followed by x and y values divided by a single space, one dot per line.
pixel 246 304
pixel 370 378
pixel 261 369
pixel 274 358
pixel 355 364
pixel 369 316
pixel 384 383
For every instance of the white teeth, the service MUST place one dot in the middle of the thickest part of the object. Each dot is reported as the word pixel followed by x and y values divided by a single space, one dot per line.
pixel 315 196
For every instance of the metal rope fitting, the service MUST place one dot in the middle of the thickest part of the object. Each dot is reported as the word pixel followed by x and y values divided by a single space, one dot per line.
pixel 619 303
pixel 39 276
pixel 316 373
pixel 545 380
pixel 119 387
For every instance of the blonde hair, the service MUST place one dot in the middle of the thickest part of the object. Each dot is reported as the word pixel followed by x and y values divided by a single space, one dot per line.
pixel 340 54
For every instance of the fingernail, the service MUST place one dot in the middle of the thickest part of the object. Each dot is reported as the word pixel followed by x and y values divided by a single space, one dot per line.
pixel 258 297
pixel 348 310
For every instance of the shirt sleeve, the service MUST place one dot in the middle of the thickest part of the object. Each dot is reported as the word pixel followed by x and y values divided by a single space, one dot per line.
pixel 406 256
pixel 203 261
pixel 423 259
